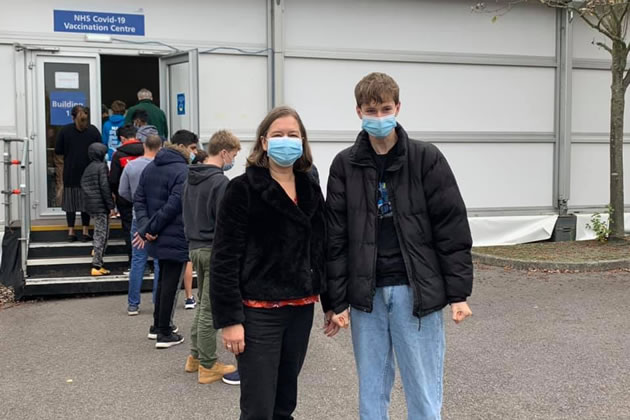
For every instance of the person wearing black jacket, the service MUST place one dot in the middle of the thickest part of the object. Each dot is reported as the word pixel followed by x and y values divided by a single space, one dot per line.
pixel 158 209
pixel 399 250
pixel 268 266
pixel 98 202
pixel 130 149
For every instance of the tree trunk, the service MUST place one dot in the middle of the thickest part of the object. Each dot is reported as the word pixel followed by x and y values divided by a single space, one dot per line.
pixel 617 107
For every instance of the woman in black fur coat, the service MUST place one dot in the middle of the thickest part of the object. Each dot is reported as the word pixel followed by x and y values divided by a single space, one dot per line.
pixel 268 266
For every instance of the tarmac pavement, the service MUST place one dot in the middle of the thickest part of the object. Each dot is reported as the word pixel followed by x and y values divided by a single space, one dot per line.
pixel 539 346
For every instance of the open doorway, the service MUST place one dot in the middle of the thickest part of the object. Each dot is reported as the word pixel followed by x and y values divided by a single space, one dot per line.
pixel 122 76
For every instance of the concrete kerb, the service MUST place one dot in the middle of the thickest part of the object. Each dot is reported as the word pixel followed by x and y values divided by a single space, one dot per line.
pixel 549 265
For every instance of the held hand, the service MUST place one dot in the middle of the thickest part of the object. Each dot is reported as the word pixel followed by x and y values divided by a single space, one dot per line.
pixel 137 242
pixel 460 311
pixel 150 237
pixel 234 338
pixel 330 328
pixel 342 320
pixel 112 213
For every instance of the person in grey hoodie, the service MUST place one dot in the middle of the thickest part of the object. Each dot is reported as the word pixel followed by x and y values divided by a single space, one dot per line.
pixel 201 199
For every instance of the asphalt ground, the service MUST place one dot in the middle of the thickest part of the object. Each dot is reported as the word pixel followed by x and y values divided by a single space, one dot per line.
pixel 539 346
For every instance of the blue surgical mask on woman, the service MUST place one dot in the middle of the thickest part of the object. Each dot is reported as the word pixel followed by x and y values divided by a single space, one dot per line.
pixel 284 150
pixel 379 127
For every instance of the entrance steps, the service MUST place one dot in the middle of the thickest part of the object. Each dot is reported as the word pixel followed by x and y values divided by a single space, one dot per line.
pixel 58 267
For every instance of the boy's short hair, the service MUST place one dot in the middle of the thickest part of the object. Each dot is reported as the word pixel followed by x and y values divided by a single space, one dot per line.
pixel 184 137
pixel 119 107
pixel 127 131
pixel 200 156
pixel 140 114
pixel 223 140
pixel 153 142
pixel 378 88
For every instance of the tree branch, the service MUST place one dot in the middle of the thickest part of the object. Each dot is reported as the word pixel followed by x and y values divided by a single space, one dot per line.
pixel 597 26
pixel 604 46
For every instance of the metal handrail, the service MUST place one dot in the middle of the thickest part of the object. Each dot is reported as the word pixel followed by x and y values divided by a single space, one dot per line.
pixel 24 191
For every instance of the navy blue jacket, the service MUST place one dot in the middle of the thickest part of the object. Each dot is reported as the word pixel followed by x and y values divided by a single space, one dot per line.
pixel 158 205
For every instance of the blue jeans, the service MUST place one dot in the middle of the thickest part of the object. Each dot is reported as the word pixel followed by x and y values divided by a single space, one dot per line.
pixel 138 262
pixel 418 345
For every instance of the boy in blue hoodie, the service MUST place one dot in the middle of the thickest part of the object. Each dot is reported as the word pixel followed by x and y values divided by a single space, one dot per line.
pixel 110 127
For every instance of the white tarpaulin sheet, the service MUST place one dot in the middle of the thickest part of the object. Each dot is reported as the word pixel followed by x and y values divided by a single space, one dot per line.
pixel 582 233
pixel 511 230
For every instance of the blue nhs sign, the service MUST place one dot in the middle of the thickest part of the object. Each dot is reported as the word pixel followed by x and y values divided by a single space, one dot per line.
pixel 98 23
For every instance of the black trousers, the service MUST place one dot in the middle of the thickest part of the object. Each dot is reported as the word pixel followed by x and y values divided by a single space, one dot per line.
pixel 276 341
pixel 71 218
pixel 169 282
pixel 126 216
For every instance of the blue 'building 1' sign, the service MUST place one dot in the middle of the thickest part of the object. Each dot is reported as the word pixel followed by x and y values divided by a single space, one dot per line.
pixel 98 23
pixel 61 103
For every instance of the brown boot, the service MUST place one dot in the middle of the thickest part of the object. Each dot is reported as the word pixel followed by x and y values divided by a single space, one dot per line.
pixel 208 376
pixel 192 364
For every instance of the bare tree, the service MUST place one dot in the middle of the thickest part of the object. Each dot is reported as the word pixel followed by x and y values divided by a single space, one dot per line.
pixel 610 18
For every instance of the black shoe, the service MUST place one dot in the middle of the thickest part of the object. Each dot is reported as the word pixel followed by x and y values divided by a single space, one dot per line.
pixel 72 238
pixel 86 238
pixel 153 334
pixel 166 341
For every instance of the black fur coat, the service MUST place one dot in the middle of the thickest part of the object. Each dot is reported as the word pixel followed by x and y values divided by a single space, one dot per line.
pixel 266 247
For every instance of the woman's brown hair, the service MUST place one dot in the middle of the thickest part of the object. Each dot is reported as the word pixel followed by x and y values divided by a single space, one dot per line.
pixel 258 156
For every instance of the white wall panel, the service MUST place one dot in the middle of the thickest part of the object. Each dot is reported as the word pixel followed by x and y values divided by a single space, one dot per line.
pixel 323 155
pixel 489 175
pixel 420 25
pixel 590 175
pixel 502 175
pixel 7 91
pixel 434 97
pixel 233 93
pixel 242 21
pixel 591 101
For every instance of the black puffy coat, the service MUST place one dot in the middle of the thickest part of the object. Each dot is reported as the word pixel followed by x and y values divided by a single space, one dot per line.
pixel 266 247
pixel 97 196
pixel 429 217
pixel 158 204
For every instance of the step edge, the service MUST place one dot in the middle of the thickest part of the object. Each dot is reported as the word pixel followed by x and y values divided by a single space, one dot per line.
pixel 40 262
pixel 77 280
pixel 78 244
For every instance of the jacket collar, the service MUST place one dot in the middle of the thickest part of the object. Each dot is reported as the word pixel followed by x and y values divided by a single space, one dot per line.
pixel 272 193
pixel 362 153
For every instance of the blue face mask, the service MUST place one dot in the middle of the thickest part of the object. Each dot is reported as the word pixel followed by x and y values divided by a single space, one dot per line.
pixel 192 156
pixel 228 166
pixel 284 150
pixel 379 127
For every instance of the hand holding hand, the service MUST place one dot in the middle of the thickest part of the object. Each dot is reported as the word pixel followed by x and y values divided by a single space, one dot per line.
pixel 234 338
pixel 342 320
pixel 460 311
pixel 330 328
pixel 150 237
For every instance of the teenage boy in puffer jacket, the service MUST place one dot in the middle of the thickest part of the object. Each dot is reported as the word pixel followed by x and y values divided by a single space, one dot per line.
pixel 99 203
